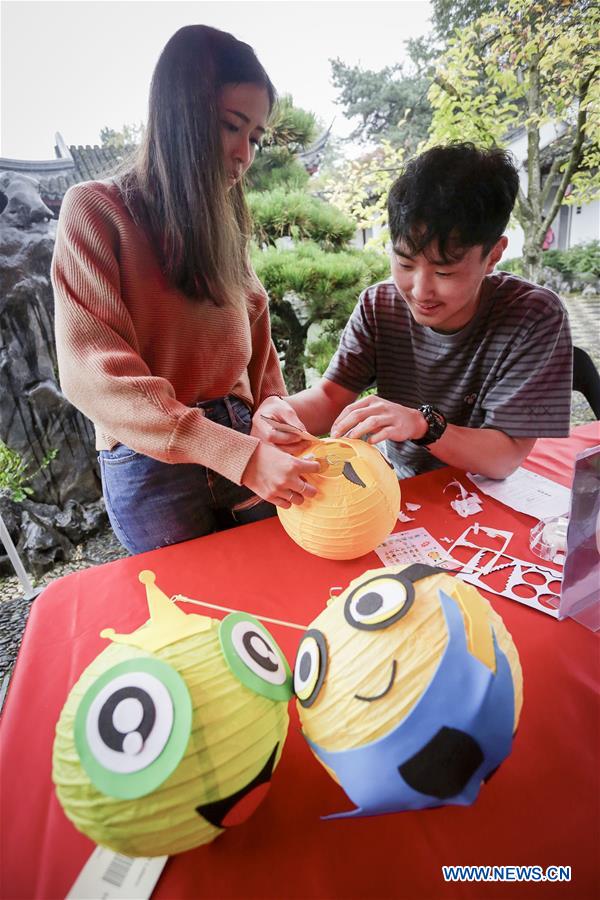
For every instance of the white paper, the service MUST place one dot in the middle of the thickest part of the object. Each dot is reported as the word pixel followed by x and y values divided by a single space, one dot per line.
pixel 470 506
pixel 527 492
pixel 111 876
pixel 467 504
pixel 516 569
pixel 414 546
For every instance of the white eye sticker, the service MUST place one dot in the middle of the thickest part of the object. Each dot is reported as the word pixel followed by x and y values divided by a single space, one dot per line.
pixel 254 657
pixel 132 727
pixel 311 667
pixel 129 722
pixel 379 602
pixel 258 652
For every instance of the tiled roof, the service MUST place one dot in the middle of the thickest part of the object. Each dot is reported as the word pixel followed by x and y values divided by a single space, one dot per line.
pixel 77 163
pixel 312 156
pixel 95 162
pixel 71 165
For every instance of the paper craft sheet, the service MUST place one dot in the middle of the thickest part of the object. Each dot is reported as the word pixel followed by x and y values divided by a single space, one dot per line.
pixel 414 545
pixel 527 492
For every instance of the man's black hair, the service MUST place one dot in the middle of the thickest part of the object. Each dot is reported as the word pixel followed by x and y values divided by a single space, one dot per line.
pixel 458 196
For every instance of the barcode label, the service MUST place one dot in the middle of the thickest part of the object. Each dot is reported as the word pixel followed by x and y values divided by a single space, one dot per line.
pixel 118 869
pixel 112 876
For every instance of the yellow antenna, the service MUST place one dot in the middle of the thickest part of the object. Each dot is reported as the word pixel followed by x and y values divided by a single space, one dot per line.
pixel 167 624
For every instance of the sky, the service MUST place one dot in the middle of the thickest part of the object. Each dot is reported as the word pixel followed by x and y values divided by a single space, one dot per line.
pixel 75 67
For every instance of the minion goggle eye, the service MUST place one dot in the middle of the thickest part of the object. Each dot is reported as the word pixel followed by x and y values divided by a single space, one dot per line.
pixel 311 667
pixel 254 657
pixel 379 602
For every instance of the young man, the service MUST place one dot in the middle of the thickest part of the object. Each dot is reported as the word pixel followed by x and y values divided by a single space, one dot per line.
pixel 470 365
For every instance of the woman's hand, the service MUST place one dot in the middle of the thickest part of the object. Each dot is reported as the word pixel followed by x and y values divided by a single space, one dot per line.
pixel 278 477
pixel 381 419
pixel 264 425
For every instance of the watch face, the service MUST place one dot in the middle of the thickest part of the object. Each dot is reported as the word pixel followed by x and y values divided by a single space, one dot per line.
pixel 436 425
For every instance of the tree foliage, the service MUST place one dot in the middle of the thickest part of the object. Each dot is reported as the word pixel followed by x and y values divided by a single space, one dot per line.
pixel 391 103
pixel 534 65
pixel 450 15
pixel 317 277
pixel 360 188
pixel 129 137
pixel 307 284
pixel 291 131
pixel 296 214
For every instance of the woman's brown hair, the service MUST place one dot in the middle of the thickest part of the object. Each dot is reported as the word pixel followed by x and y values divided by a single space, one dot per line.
pixel 177 186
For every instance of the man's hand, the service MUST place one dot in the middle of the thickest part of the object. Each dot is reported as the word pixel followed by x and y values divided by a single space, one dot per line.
pixel 381 419
pixel 278 477
pixel 264 425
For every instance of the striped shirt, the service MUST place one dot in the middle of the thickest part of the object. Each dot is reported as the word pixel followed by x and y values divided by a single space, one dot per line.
pixel 509 368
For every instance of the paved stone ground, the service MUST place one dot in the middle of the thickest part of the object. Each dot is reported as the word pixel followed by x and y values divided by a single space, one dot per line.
pixel 584 316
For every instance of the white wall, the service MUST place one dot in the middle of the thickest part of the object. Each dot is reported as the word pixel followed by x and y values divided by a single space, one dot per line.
pixel 585 223
pixel 583 226
pixel 516 239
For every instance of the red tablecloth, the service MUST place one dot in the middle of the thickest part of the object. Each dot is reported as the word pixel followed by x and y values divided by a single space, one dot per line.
pixel 541 808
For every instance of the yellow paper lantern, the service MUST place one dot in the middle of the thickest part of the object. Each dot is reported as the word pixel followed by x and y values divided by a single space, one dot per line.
pixel 172 733
pixel 409 689
pixel 356 505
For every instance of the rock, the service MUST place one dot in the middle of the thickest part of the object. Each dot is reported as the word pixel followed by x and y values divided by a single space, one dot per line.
pixel 78 522
pixel 35 418
pixel 591 290
pixel 45 534
pixel 41 545
pixel 24 205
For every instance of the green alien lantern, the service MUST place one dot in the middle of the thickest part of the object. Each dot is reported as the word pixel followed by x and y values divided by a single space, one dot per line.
pixel 172 733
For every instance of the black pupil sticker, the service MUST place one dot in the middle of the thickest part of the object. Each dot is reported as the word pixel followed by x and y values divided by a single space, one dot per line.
pixel 126 719
pixel 369 603
pixel 305 666
pixel 254 644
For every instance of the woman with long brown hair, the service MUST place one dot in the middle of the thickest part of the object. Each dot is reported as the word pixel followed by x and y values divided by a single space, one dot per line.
pixel 162 328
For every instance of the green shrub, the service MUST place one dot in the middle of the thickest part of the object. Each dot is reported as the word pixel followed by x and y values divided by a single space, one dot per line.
pixel 329 283
pixel 296 214
pixel 582 259
pixel 514 265
pixel 326 284
pixel 321 350
pixel 14 474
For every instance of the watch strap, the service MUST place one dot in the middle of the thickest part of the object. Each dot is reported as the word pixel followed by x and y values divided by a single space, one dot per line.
pixel 436 425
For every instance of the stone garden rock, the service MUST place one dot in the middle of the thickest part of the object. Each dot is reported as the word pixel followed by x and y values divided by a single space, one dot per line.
pixel 36 421
pixel 35 418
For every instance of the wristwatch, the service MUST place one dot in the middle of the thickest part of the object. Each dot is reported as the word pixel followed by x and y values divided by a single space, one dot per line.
pixel 436 425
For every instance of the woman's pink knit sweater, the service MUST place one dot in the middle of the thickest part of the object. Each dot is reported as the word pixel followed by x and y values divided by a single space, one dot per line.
pixel 134 353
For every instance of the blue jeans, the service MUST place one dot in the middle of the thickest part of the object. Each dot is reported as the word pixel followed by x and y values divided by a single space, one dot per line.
pixel 152 504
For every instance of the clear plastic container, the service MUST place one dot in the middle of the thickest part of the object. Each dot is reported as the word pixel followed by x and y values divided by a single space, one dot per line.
pixel 548 539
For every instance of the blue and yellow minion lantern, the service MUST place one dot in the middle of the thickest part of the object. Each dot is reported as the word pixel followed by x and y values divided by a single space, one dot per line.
pixel 409 690
pixel 356 505
pixel 172 733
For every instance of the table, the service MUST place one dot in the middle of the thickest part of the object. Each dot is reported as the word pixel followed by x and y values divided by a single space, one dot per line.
pixel 541 808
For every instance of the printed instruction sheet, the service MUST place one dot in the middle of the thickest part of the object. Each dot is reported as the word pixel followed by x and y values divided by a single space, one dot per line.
pixel 527 492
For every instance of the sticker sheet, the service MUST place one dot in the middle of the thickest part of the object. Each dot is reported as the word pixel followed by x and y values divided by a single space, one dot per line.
pixel 412 546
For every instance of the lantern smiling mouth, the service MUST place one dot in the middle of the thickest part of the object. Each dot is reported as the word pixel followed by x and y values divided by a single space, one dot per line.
pixel 236 808
pixel 384 691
